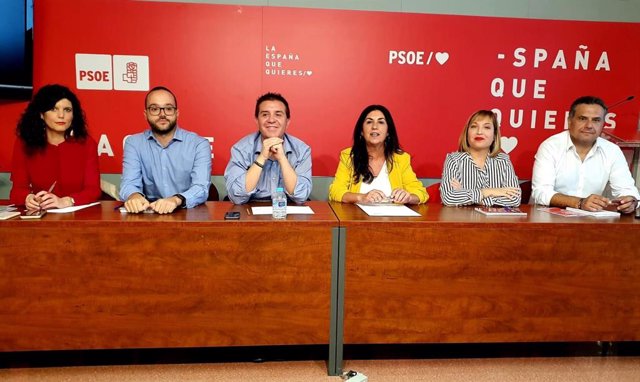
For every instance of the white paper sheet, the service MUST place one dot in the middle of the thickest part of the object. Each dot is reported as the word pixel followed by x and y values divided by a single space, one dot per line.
pixel 291 210
pixel 598 214
pixel 71 209
pixel 387 210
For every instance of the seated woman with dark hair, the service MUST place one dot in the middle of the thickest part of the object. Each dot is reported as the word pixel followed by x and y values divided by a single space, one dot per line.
pixel 375 169
pixel 478 173
pixel 55 162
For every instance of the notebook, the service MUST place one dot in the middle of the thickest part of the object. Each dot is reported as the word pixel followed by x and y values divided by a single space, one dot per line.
pixel 501 211
pixel 4 215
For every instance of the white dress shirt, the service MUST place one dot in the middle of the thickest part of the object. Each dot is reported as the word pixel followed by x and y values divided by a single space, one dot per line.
pixel 558 169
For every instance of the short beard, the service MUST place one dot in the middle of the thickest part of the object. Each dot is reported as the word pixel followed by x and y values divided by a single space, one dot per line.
pixel 168 130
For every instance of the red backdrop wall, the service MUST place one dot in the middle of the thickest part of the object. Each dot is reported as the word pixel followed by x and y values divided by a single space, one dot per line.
pixel 432 71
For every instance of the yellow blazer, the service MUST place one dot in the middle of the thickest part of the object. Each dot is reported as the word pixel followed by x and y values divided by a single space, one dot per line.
pixel 401 176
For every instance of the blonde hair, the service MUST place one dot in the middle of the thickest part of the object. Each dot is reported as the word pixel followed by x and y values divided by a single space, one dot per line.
pixel 463 141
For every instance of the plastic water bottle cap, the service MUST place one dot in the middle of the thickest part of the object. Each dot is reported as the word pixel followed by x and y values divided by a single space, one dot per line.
pixel 279 189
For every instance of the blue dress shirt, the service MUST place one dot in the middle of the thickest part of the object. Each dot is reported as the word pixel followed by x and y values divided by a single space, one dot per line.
pixel 183 167
pixel 245 152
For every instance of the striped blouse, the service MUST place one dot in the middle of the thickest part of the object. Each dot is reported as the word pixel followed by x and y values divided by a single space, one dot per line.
pixel 498 172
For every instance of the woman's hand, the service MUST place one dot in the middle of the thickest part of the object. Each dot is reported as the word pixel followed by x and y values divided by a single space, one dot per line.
pixel 373 196
pixel 31 202
pixel 507 192
pixel 49 200
pixel 400 196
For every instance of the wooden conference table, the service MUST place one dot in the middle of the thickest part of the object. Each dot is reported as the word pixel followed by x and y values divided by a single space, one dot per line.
pixel 456 276
pixel 99 279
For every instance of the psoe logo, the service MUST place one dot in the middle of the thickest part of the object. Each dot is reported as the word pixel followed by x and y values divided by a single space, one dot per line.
pixel 107 72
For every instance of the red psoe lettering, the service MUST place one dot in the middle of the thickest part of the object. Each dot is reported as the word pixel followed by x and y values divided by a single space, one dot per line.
pixel 97 76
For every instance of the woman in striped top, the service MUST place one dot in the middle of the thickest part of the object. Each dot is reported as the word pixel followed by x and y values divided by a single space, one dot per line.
pixel 478 173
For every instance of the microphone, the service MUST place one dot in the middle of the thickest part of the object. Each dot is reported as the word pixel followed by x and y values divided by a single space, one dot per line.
pixel 621 102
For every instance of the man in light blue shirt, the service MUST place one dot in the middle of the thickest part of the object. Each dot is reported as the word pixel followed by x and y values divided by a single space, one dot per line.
pixel 269 158
pixel 166 167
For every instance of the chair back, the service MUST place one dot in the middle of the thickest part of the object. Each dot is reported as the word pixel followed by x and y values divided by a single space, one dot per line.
pixel 213 193
pixel 526 191
pixel 434 193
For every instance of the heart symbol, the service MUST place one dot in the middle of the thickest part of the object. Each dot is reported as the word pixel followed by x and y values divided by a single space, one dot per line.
pixel 309 72
pixel 508 143
pixel 442 57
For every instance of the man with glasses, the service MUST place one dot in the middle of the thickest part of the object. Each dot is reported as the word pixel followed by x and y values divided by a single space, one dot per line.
pixel 269 158
pixel 166 167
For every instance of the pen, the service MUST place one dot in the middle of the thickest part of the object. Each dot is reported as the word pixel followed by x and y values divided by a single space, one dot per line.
pixel 39 200
pixel 52 186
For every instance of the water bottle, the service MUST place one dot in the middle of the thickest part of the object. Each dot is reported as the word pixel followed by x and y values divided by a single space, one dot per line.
pixel 279 203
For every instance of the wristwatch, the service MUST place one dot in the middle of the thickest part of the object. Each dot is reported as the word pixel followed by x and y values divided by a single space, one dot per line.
pixel 183 200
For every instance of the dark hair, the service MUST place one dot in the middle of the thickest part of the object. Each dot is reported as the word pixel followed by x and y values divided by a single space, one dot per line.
pixel 587 100
pixel 463 141
pixel 359 153
pixel 31 127
pixel 272 97
pixel 146 98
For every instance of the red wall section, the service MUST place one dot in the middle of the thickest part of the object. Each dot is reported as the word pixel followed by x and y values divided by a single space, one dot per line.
pixel 10 112
pixel 330 64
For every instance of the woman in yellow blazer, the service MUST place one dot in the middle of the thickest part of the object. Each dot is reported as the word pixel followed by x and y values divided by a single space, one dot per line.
pixel 375 169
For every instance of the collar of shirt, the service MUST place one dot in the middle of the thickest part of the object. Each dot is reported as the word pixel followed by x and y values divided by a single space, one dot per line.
pixel 257 144
pixel 570 146
pixel 178 135
pixel 467 157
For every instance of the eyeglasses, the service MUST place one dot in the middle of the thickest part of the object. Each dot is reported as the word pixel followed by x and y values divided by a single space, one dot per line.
pixel 168 110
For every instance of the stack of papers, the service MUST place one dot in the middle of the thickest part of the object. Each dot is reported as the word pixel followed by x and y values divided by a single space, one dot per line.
pixel 4 215
pixel 8 212
pixel 10 207
pixel 598 214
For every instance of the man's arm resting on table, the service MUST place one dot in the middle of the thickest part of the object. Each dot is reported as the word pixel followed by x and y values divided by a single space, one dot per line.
pixel 561 200
pixel 592 202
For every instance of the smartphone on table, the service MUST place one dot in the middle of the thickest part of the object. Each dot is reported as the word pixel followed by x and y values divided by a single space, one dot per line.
pixel 232 215
pixel 33 214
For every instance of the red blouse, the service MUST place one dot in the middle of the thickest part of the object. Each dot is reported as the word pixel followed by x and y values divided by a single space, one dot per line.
pixel 73 165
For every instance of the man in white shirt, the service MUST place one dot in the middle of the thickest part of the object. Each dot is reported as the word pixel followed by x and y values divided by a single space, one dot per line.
pixel 572 168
